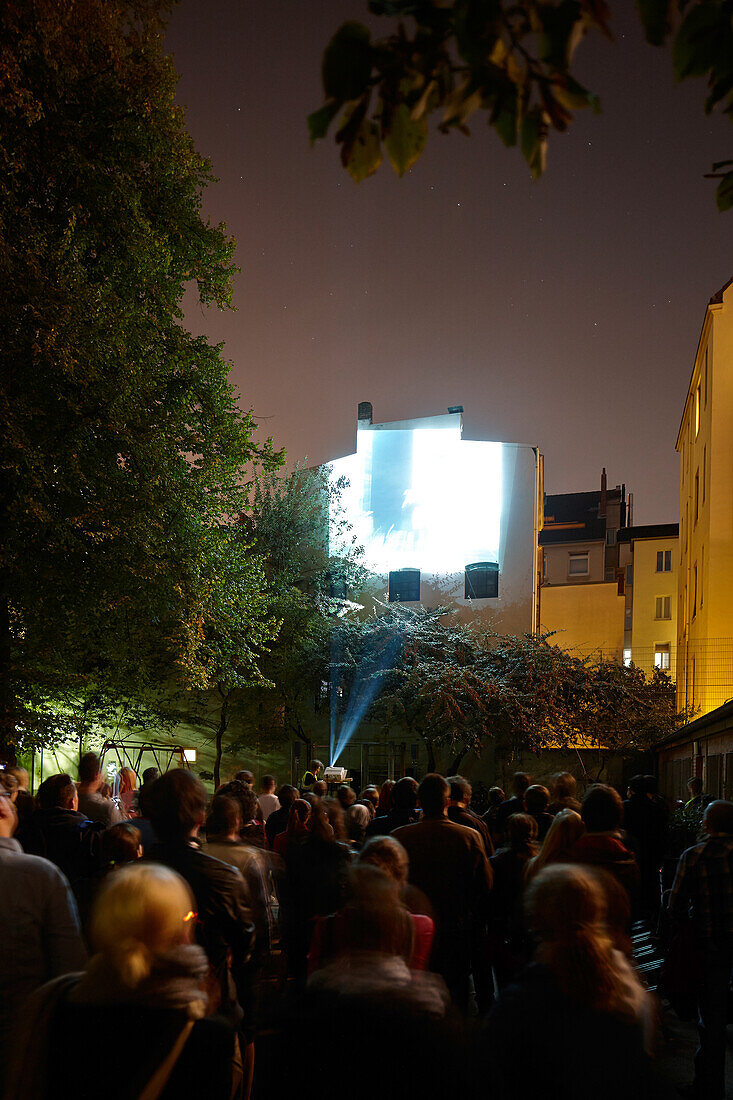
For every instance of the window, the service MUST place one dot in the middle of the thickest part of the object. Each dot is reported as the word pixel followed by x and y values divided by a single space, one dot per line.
pixel 661 656
pixel 664 561
pixel 697 410
pixel 628 618
pixel 611 536
pixel 704 470
pixel 663 607
pixel 482 580
pixel 630 574
pixel 404 586
pixel 577 565
pixel 627 657
pixel 694 590
pixel 697 495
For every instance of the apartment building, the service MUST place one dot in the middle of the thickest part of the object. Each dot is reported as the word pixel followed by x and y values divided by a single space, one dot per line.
pixel 649 557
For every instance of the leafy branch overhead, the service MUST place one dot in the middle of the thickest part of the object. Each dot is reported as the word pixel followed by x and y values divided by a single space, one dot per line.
pixel 510 61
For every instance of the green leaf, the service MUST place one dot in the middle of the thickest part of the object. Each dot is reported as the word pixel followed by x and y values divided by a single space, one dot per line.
pixel 320 120
pixel 347 63
pixel 365 154
pixel 724 193
pixel 656 18
pixel 504 119
pixel 696 46
pixel 405 139
pixel 534 141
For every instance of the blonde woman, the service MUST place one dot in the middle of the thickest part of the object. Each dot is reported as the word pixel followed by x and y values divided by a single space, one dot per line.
pixel 128 785
pixel 577 1019
pixel 142 993
pixel 566 827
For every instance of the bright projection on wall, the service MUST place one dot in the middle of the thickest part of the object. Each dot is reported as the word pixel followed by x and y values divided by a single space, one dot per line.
pixel 423 498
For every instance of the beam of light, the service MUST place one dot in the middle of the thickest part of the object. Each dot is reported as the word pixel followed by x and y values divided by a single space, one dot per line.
pixel 367 682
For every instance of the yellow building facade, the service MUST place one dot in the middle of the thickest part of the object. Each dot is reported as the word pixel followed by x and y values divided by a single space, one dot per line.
pixel 705 565
pixel 588 618
pixel 650 558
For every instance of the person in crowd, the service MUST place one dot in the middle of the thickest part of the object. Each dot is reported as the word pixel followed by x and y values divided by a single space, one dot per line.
pixel 23 800
pixel 389 855
pixel 246 777
pixel 346 796
pixel 40 934
pixel 127 793
pixel 358 820
pixel 268 800
pixel 311 776
pixel 448 864
pixel 370 797
pixel 496 799
pixel 316 865
pixel 150 775
pixel 177 811
pixel 9 784
pixel 403 809
pixel 60 833
pixel 223 840
pixel 320 789
pixel 703 893
pixel 92 803
pixel 577 1019
pixel 567 827
pixel 385 797
pixel 297 829
pixel 509 942
pixel 460 812
pixel 252 829
pixel 646 821
pixel 515 804
pixel 564 793
pixel 141 820
pixel 145 982
pixel 602 844
pixel 698 800
pixel 536 803
pixel 277 822
pixel 121 844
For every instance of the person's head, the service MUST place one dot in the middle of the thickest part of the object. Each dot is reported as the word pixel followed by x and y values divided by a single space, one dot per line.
pixel 374 920
pixel 177 805
pixel 142 911
pixel 245 777
pixel 536 799
pixel 58 792
pixel 320 825
pixel 128 780
pixel 8 814
pixel 150 775
pixel 357 821
pixel 268 784
pixel 346 796
pixel 566 912
pixel 433 794
pixel 521 831
pixel 385 796
pixel 320 789
pixel 694 786
pixel 9 784
pixel 404 795
pixel 496 796
pixel 563 786
pixel 460 791
pixel 316 767
pixel 299 818
pixel 20 774
pixel 388 854
pixel 225 817
pixel 121 844
pixel 520 782
pixel 636 787
pixel 287 795
pixel 603 810
pixel 371 795
pixel 336 818
pixel 650 785
pixel 244 795
pixel 718 818
pixel 566 828
pixel 90 770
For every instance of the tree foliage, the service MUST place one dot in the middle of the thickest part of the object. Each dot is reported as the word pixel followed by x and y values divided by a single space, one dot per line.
pixel 511 62
pixel 123 452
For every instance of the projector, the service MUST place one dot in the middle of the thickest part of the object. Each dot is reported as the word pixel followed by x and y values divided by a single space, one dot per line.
pixel 334 775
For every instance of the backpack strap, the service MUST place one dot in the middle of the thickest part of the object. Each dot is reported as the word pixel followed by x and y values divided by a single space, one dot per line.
pixel 159 1080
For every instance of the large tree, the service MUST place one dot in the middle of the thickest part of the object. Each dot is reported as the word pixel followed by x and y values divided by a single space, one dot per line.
pixel 123 452
pixel 511 61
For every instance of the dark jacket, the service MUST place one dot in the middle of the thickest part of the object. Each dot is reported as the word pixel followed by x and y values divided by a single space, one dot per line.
pixel 224 926
pixel 71 841
pixel 449 866
pixel 471 820
pixel 276 823
pixel 384 824
pixel 507 918
pixel 513 805
pixel 608 852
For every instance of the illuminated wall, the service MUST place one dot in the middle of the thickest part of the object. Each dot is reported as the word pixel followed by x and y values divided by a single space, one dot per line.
pixel 422 497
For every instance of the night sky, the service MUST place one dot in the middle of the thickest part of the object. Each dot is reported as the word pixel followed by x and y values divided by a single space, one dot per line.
pixel 563 313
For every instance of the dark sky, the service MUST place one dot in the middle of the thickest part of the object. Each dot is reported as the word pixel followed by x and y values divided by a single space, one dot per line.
pixel 563 313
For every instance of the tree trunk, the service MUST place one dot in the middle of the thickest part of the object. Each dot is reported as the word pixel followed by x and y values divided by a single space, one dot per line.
pixel 220 731
pixel 431 751
pixel 7 695
pixel 457 761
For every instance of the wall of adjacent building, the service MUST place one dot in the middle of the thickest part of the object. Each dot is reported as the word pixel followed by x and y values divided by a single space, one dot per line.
pixel 587 617
pixel 647 631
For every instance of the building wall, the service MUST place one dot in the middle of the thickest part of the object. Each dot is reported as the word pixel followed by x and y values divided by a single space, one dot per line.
pixel 557 556
pixel 647 631
pixel 588 617
pixel 705 579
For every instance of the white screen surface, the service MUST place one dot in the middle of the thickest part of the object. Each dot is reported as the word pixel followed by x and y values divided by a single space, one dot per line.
pixel 423 498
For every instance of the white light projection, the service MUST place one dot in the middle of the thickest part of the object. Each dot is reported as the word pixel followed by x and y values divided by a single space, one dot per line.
pixel 423 498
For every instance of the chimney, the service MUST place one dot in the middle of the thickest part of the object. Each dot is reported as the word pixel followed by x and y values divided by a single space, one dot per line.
pixel 365 411
pixel 602 506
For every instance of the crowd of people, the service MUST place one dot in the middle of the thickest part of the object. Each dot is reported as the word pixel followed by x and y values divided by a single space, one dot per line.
pixel 174 935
